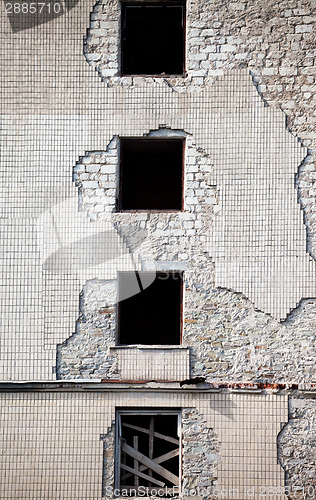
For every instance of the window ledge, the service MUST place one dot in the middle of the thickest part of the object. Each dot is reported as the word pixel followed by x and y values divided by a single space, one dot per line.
pixel 152 362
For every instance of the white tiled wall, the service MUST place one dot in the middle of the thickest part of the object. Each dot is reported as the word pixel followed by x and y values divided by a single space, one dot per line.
pixel 51 448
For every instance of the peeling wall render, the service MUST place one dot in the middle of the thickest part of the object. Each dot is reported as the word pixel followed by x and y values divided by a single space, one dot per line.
pixel 296 447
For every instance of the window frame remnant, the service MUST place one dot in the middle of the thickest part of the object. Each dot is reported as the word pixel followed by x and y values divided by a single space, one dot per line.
pixel 142 463
pixel 125 5
pixel 136 298
pixel 127 198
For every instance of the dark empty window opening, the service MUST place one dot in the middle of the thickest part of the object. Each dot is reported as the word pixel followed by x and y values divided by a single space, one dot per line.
pixel 153 38
pixel 150 308
pixel 151 174
pixel 148 452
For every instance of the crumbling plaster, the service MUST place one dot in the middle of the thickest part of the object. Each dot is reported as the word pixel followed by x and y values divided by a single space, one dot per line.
pixel 228 337
pixel 174 241
pixel 296 448
pixel 275 40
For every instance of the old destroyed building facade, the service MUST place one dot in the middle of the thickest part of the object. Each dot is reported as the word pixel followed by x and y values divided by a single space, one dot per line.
pixel 159 274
